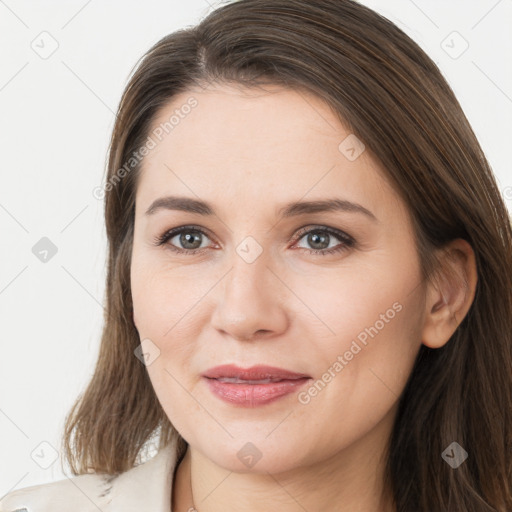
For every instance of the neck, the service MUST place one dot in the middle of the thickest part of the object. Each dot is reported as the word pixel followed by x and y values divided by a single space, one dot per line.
pixel 351 480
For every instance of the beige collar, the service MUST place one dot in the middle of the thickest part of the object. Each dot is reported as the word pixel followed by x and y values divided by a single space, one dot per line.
pixel 147 486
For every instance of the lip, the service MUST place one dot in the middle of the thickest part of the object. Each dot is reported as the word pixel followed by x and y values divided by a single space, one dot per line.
pixel 264 385
pixel 258 372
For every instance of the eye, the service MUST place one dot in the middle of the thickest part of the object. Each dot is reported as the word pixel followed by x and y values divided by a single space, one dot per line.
pixel 188 236
pixel 320 237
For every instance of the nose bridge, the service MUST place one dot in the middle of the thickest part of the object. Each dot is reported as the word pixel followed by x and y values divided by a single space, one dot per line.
pixel 249 270
pixel 249 301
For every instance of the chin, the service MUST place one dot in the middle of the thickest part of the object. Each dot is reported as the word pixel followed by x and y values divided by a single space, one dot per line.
pixel 241 455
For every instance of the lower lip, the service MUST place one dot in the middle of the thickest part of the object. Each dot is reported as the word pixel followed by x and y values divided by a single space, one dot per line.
pixel 252 395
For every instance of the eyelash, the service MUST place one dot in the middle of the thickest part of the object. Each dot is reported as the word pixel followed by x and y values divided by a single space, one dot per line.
pixel 347 241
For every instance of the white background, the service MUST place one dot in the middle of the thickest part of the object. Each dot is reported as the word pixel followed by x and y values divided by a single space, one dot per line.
pixel 55 123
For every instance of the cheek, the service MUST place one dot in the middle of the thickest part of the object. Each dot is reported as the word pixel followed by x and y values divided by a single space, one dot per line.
pixel 165 314
pixel 368 332
pixel 167 311
pixel 354 303
pixel 164 298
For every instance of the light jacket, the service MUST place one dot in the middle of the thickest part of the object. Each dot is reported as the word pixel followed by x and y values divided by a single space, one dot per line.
pixel 147 486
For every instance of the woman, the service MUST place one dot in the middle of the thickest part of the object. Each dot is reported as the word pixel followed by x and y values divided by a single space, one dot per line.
pixel 338 334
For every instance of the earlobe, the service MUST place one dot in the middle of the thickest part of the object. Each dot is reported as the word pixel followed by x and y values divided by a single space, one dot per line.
pixel 450 295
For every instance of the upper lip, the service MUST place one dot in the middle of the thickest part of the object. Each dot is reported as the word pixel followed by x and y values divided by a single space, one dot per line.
pixel 259 372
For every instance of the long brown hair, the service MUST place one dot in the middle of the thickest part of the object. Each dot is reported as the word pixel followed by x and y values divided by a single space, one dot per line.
pixel 394 98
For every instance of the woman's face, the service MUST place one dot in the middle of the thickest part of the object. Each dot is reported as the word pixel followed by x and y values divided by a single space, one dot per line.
pixel 348 317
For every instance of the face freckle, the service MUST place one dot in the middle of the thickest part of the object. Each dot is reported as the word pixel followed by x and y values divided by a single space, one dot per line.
pixel 349 320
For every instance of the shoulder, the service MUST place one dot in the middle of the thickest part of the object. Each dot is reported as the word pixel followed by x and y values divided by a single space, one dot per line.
pixel 85 492
pixel 145 487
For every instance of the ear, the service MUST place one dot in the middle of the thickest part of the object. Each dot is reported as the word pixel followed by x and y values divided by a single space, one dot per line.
pixel 450 296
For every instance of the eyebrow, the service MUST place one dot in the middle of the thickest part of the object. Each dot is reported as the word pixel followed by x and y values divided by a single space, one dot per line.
pixel 296 208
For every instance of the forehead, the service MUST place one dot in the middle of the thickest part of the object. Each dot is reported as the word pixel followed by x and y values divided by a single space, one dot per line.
pixel 277 144
pixel 249 122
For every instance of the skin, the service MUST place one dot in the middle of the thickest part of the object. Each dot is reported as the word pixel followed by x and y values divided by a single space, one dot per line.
pixel 248 152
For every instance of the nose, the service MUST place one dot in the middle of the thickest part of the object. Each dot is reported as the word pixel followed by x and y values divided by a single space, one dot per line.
pixel 250 302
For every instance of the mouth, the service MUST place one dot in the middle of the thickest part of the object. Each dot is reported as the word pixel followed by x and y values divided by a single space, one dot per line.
pixel 253 386
pixel 254 373
pixel 234 380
